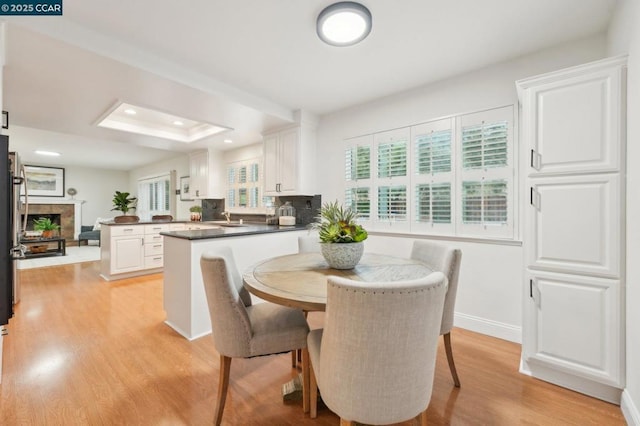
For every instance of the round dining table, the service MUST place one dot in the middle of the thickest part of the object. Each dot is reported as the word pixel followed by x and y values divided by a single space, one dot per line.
pixel 300 280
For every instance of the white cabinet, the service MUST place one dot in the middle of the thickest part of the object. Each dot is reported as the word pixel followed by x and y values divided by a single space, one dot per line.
pixel 131 250
pixel 199 174
pixel 127 249
pixel 153 245
pixel 572 122
pixel 289 167
pixel 574 324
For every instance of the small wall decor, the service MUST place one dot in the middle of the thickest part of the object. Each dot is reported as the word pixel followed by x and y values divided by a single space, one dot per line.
pixel 185 194
pixel 5 119
pixel 44 181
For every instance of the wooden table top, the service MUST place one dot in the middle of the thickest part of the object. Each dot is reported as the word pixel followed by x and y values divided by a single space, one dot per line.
pixel 300 280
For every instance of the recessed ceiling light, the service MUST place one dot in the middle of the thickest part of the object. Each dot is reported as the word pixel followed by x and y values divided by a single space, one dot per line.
pixel 150 122
pixel 49 153
pixel 344 24
pixel 228 141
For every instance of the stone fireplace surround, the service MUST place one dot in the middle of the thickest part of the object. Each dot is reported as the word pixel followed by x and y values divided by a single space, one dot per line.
pixel 70 212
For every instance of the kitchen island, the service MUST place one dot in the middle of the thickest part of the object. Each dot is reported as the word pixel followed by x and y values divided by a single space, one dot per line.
pixel 184 298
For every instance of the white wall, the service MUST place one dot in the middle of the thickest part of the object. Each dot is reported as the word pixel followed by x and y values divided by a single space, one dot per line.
pixel 624 37
pixel 179 163
pixel 489 298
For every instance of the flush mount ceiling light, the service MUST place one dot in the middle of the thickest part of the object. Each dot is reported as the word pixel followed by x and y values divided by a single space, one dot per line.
pixel 344 24
pixel 146 121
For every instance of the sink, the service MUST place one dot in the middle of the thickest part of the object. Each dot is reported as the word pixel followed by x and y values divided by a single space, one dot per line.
pixel 231 224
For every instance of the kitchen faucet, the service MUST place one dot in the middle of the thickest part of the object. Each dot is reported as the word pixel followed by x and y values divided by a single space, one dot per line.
pixel 227 215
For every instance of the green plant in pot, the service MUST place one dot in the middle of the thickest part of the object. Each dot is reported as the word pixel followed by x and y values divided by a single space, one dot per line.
pixel 47 227
pixel 196 213
pixel 341 238
pixel 122 201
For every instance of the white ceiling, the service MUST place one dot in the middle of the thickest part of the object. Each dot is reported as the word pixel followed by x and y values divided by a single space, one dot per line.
pixel 246 64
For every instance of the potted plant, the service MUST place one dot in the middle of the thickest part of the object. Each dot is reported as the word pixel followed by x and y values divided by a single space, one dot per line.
pixel 45 225
pixel 124 203
pixel 341 238
pixel 196 213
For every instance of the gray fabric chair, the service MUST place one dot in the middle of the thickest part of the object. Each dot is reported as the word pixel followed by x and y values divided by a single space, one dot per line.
pixel 87 233
pixel 374 360
pixel 447 260
pixel 240 329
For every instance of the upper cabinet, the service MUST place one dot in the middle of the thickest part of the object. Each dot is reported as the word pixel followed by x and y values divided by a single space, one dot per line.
pixel 206 175
pixel 289 168
pixel 572 121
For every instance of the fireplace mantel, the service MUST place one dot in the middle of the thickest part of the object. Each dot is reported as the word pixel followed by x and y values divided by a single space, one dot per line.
pixel 77 223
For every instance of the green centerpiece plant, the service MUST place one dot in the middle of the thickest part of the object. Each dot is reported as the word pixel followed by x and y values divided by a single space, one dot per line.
pixel 341 237
pixel 122 201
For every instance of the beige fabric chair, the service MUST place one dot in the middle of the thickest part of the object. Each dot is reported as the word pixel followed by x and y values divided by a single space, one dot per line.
pixel 447 260
pixel 374 360
pixel 240 329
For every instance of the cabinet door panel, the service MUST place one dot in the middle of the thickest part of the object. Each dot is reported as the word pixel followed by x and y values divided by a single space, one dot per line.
pixel 574 225
pixel 126 254
pixel 289 160
pixel 574 124
pixel 573 323
pixel 270 163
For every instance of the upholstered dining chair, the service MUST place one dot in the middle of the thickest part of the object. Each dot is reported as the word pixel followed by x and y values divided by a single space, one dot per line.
pixel 439 257
pixel 374 360
pixel 240 329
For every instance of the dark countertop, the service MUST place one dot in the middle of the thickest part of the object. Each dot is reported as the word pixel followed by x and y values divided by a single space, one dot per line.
pixel 143 222
pixel 231 231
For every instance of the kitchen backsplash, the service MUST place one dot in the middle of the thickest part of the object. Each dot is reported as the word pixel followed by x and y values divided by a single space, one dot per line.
pixel 306 209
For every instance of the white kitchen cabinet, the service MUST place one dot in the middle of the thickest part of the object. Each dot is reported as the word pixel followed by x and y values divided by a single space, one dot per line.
pixel 574 325
pixel 199 174
pixel 572 119
pixel 574 224
pixel 131 250
pixel 572 129
pixel 127 249
pixel 289 166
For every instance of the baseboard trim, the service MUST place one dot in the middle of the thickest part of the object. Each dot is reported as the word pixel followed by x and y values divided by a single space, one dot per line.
pixel 497 329
pixel 629 409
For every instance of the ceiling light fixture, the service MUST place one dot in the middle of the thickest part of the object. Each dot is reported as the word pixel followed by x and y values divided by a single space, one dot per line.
pixel 48 153
pixel 151 122
pixel 228 141
pixel 344 24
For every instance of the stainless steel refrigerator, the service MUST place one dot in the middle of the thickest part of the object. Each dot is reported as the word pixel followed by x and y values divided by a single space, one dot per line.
pixel 11 228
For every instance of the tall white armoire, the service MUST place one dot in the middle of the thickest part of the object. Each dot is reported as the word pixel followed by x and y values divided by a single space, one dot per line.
pixel 573 141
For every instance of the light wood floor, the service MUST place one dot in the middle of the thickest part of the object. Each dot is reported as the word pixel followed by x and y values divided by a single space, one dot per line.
pixel 89 352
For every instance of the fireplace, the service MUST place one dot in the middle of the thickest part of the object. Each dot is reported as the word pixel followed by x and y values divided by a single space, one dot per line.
pixel 60 214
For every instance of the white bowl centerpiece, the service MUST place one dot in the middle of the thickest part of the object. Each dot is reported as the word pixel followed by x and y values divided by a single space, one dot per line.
pixel 341 238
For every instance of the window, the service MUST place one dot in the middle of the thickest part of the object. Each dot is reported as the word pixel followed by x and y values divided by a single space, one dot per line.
pixel 154 196
pixel 243 186
pixel 454 176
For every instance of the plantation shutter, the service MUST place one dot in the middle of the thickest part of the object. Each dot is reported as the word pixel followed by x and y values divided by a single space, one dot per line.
pixel 486 173
pixel 358 178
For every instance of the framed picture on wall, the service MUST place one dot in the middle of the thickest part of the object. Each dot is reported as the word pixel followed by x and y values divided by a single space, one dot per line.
pixel 185 194
pixel 44 181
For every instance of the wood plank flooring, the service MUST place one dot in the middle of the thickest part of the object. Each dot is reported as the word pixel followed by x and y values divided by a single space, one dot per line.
pixel 82 351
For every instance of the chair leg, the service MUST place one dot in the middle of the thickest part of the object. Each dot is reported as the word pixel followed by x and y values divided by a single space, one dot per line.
pixel 305 380
pixel 344 422
pixel 223 385
pixel 294 358
pixel 313 393
pixel 422 418
pixel 452 365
